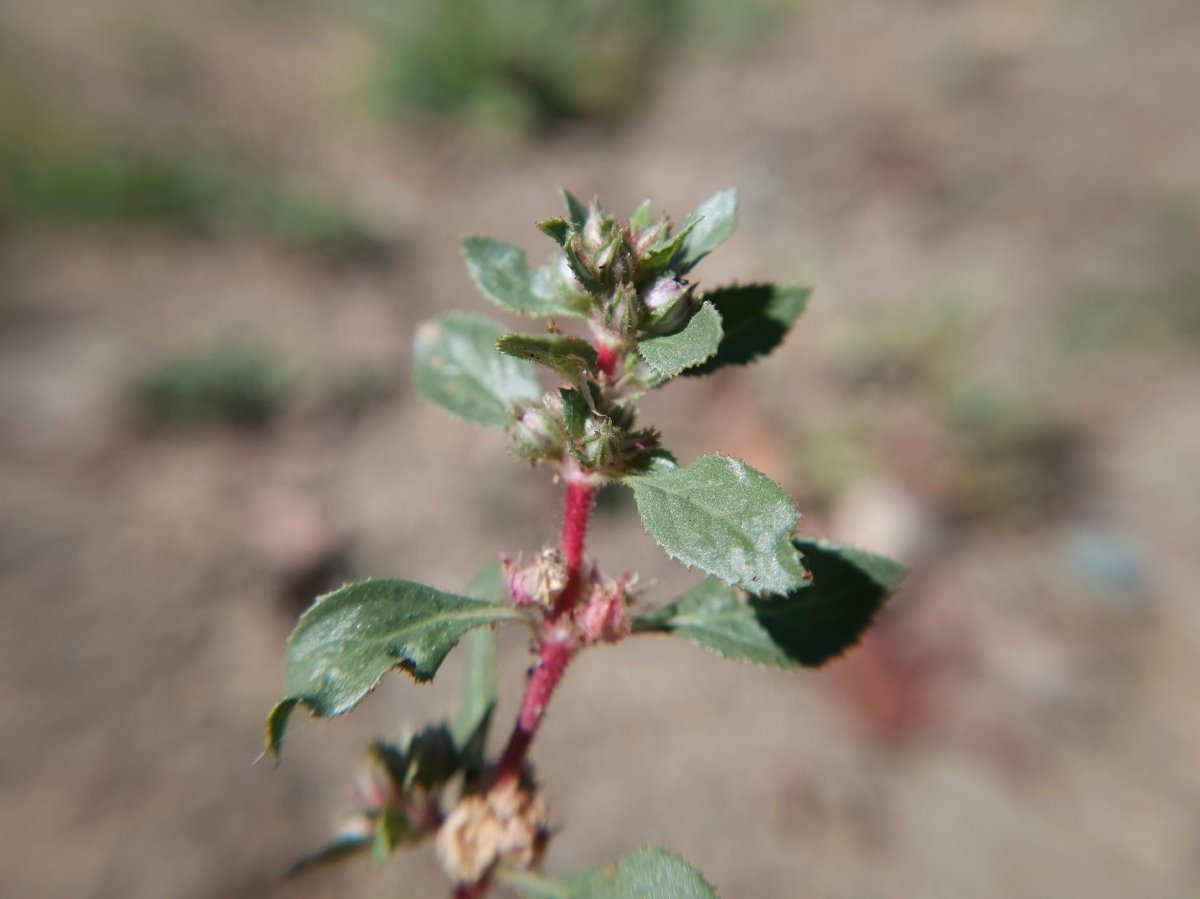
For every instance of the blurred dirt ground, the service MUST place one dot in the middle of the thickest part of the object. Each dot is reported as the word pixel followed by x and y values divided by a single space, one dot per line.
pixel 997 381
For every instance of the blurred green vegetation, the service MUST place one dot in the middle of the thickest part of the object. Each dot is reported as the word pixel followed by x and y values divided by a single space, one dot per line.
pixel 832 461
pixel 356 393
pixel 1005 447
pixel 1009 457
pixel 528 65
pixel 1167 309
pixel 47 181
pixel 242 385
pixel 922 342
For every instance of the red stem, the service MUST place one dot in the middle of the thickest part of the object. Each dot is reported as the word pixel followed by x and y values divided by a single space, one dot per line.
pixel 555 645
pixel 553 651
pixel 580 496
pixel 606 358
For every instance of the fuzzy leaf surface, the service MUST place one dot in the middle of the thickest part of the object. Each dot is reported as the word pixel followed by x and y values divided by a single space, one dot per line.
pixel 349 639
pixel 502 274
pixel 725 518
pixel 557 230
pixel 646 873
pixel 756 318
pixel 569 356
pixel 718 220
pixel 807 627
pixel 456 365
pixel 671 354
pixel 642 216
pixel 670 248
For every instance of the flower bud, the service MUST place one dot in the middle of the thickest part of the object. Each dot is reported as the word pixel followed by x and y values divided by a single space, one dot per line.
pixel 600 444
pixel 669 304
pixel 651 234
pixel 537 433
pixel 604 615
pixel 623 311
pixel 579 260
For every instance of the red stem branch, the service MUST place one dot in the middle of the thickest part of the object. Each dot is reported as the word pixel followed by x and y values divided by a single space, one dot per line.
pixel 471 890
pixel 554 652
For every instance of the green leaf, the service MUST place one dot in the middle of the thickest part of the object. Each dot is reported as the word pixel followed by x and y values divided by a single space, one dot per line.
pixel 352 637
pixel 756 318
pixel 532 885
pixel 487 583
pixel 718 220
pixel 456 365
pixel 339 849
pixel 432 756
pixel 670 354
pixel 390 830
pixel 477 696
pixel 576 258
pixel 556 281
pixel 576 411
pixel 478 703
pixel 557 230
pixel 667 249
pixel 391 759
pixel 276 725
pixel 645 873
pixel 642 217
pixel 808 626
pixel 502 274
pixel 569 356
pixel 721 516
pixel 428 759
pixel 577 213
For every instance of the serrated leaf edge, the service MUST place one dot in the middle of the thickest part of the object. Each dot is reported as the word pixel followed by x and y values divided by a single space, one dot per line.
pixel 676 558
pixel 660 377
pixel 658 622
pixel 755 360
pixel 277 719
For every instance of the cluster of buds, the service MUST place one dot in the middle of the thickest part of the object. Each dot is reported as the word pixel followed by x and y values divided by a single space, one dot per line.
pixel 507 825
pixel 598 433
pixel 399 789
pixel 603 616
pixel 629 279
pixel 540 583
pixel 600 614
pixel 538 432
pixel 632 273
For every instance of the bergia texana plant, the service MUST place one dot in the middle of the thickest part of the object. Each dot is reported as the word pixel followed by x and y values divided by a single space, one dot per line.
pixel 770 596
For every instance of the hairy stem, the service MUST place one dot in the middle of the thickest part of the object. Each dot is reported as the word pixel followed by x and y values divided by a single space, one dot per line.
pixel 554 647
pixel 581 493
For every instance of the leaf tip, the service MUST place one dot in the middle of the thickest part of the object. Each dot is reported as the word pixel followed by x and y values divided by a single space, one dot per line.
pixel 275 726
